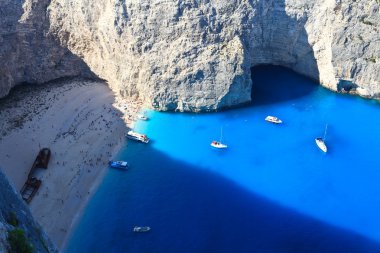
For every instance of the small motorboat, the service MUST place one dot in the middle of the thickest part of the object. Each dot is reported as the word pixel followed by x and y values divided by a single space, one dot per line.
pixel 141 229
pixel 321 144
pixel 137 137
pixel 118 164
pixel 217 144
pixel 142 117
pixel 273 119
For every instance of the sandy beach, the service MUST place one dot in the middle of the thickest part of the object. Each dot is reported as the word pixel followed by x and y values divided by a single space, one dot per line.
pixel 83 124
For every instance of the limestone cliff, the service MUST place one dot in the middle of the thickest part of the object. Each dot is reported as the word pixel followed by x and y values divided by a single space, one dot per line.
pixel 15 215
pixel 28 54
pixel 197 54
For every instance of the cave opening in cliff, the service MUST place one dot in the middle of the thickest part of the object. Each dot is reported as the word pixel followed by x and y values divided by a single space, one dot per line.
pixel 275 84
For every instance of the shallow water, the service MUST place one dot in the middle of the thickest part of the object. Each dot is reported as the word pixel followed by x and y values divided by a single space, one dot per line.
pixel 272 190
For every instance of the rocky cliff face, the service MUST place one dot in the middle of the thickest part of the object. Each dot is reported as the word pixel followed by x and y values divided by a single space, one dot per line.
pixel 195 54
pixel 28 53
pixel 15 215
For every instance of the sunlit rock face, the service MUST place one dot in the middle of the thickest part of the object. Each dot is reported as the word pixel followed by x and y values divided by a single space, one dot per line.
pixel 196 55
pixel 193 55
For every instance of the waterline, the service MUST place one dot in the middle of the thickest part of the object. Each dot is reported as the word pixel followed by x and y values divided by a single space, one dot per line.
pixel 272 189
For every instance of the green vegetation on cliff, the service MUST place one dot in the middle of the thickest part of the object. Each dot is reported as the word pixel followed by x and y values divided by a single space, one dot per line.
pixel 18 242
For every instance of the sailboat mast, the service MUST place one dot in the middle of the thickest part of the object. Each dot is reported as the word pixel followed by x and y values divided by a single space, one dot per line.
pixel 221 135
pixel 324 136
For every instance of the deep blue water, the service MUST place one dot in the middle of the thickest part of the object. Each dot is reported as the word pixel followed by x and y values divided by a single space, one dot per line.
pixel 272 190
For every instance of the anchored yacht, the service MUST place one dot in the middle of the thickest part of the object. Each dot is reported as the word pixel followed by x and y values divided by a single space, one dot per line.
pixel 142 117
pixel 321 141
pixel 321 144
pixel 219 144
pixel 137 137
pixel 273 119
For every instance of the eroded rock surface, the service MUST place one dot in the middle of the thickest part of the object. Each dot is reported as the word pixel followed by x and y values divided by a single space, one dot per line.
pixel 193 55
pixel 28 53
pixel 196 55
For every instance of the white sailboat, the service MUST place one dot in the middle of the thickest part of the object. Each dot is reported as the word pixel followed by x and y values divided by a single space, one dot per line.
pixel 321 141
pixel 219 144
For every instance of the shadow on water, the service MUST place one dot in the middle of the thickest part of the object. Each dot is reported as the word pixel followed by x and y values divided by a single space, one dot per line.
pixel 275 84
pixel 279 38
pixel 193 210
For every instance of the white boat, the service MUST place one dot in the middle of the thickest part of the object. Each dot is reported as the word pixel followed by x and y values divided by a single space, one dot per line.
pixel 118 164
pixel 321 142
pixel 273 119
pixel 219 144
pixel 137 137
pixel 142 117
pixel 141 229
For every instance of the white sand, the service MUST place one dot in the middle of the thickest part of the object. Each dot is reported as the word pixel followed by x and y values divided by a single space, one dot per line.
pixel 82 124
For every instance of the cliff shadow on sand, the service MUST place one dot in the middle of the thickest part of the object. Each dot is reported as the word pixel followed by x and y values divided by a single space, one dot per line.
pixel 278 37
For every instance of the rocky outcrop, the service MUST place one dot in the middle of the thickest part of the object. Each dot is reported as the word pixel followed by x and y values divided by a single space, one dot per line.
pixel 28 53
pixel 345 36
pixel 192 55
pixel 196 55
pixel 15 215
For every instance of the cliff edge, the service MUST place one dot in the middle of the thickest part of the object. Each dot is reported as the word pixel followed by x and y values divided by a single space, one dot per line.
pixel 191 55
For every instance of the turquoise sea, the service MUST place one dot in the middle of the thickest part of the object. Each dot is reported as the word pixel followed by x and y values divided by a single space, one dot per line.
pixel 272 190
